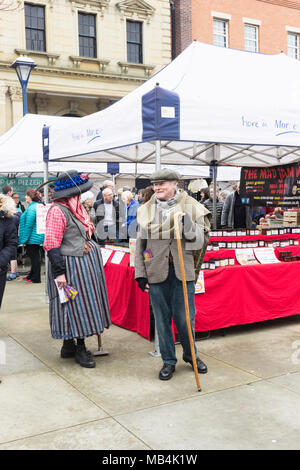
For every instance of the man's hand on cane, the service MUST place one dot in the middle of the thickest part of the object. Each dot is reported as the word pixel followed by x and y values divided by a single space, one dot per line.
pixel 143 284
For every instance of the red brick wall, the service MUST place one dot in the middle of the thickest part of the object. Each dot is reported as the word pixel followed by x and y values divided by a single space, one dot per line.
pixel 183 25
pixel 194 21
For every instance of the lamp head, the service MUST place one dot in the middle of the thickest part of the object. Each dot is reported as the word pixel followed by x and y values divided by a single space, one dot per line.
pixel 23 66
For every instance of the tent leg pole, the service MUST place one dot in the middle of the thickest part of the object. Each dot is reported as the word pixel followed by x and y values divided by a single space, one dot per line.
pixel 46 198
pixel 156 352
pixel 157 155
pixel 215 197
pixel 215 163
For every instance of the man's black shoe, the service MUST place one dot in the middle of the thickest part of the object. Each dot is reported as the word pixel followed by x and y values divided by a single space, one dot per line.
pixel 202 368
pixel 68 349
pixel 166 372
pixel 84 357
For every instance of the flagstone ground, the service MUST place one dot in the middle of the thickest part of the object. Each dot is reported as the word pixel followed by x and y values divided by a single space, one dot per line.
pixel 250 397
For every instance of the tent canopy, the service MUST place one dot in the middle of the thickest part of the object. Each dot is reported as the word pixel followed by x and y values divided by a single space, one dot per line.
pixel 21 152
pixel 248 103
pixel 21 149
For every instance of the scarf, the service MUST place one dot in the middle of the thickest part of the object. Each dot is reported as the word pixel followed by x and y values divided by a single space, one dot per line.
pixel 157 217
pixel 166 207
pixel 156 220
pixel 75 206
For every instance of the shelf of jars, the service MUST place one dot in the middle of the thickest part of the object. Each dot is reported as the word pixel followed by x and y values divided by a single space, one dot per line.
pixel 224 245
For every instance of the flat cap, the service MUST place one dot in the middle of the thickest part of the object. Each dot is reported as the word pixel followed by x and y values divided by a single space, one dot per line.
pixel 164 175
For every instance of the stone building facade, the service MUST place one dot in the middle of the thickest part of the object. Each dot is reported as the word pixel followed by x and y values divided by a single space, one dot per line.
pixel 89 53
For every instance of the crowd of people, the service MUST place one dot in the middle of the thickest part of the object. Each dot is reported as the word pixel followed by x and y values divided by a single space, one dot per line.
pixel 78 224
pixel 232 213
pixel 114 216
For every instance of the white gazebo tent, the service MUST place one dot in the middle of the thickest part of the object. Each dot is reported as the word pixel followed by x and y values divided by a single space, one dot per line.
pixel 21 153
pixel 210 106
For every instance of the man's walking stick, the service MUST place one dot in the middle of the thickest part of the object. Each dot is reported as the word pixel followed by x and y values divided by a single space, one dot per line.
pixel 186 301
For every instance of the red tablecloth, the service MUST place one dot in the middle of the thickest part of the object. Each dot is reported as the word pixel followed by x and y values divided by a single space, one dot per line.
pixel 237 295
pixel 234 295
pixel 129 306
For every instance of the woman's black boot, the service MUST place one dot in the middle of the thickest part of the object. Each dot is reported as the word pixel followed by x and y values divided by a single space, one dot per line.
pixel 83 356
pixel 68 349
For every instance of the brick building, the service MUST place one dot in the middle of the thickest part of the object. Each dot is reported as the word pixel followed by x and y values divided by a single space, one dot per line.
pixel 267 26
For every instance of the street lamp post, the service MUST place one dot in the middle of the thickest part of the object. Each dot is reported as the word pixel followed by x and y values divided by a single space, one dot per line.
pixel 23 66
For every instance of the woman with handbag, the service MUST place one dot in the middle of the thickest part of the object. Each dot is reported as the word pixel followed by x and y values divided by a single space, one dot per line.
pixel 75 260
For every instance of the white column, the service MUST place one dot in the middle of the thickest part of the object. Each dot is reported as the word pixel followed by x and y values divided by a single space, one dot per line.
pixel 3 123
pixel 15 93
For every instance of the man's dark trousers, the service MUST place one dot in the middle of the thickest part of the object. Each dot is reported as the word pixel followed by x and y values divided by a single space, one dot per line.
pixel 167 301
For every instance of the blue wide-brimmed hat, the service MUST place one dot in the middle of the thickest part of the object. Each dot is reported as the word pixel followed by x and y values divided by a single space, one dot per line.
pixel 70 183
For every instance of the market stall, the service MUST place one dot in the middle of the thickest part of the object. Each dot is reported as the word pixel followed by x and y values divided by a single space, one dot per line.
pixel 186 114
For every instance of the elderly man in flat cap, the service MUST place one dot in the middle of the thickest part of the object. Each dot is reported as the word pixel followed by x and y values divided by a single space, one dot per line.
pixel 157 267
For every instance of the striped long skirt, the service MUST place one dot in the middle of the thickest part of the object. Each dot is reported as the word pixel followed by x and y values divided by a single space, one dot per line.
pixel 88 314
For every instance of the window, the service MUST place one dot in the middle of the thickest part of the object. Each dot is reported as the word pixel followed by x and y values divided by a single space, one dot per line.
pixel 134 42
pixel 293 45
pixel 251 38
pixel 87 35
pixel 220 33
pixel 35 27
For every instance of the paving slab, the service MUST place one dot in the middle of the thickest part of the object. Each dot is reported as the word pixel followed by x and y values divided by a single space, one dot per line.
pixel 40 401
pixel 58 404
pixel 15 359
pixel 249 417
pixel 106 434
pixel 265 350
pixel 291 381
pixel 127 379
pixel 19 296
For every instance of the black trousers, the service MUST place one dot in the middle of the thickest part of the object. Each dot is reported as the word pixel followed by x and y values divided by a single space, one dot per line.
pixel 2 284
pixel 33 251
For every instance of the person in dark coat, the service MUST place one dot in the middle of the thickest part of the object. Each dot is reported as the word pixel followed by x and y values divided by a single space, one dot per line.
pixel 14 274
pixel 19 205
pixel 204 195
pixel 209 204
pixel 141 193
pixel 107 217
pixel 106 184
pixel 235 214
pixel 8 238
pixel 148 193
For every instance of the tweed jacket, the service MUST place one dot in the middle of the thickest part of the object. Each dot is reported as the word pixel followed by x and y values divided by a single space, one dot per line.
pixel 163 251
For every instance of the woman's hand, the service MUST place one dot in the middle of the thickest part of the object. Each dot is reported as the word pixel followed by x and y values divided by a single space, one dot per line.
pixel 61 281
pixel 87 248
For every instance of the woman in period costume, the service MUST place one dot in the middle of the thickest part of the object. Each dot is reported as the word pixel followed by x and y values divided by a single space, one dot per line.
pixel 75 260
